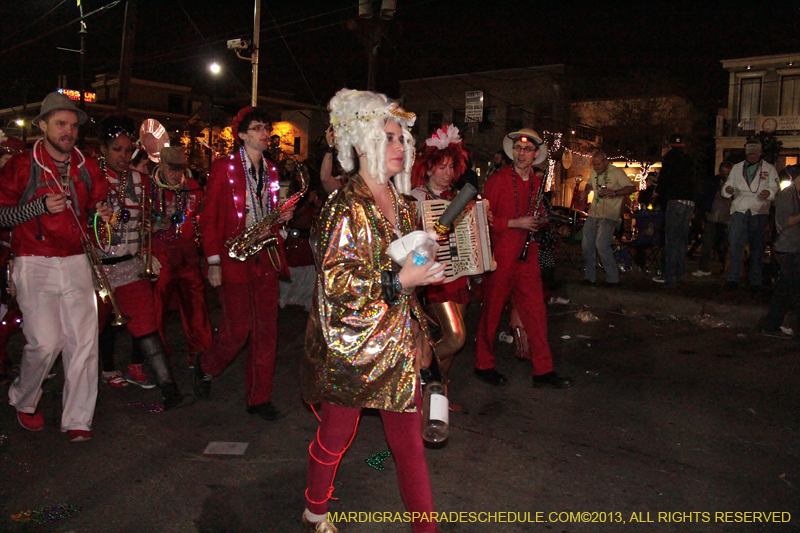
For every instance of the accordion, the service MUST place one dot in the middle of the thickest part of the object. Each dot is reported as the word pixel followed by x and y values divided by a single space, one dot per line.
pixel 467 250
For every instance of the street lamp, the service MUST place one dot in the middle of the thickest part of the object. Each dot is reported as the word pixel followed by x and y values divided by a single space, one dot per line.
pixel 215 69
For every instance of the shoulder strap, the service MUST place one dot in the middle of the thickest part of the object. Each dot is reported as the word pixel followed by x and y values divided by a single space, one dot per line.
pixel 33 183
pixel 86 178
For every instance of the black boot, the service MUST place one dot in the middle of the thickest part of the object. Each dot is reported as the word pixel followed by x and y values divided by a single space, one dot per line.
pixel 201 382
pixel 173 399
pixel 156 357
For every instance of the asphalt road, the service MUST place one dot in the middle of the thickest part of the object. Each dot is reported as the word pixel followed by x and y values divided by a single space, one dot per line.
pixel 667 420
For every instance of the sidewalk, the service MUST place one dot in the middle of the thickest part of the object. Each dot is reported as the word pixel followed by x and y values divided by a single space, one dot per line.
pixel 637 294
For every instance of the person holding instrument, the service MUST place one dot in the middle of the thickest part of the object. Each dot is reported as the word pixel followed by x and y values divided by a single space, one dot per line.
pixel 52 274
pixel 242 195
pixel 118 249
pixel 175 200
pixel 365 336
pixel 438 165
pixel 513 193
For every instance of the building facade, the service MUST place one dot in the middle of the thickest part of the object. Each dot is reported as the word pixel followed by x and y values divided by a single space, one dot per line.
pixel 763 96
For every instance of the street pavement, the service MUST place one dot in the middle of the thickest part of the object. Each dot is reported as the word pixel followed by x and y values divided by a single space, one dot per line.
pixel 680 412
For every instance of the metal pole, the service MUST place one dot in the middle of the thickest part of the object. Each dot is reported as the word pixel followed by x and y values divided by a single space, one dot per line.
pixel 127 55
pixel 82 33
pixel 256 43
pixel 377 33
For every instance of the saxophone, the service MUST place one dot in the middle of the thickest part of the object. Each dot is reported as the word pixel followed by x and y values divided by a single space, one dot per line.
pixel 253 239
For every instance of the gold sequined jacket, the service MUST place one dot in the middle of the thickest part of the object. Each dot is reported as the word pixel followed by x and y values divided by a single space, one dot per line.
pixel 360 351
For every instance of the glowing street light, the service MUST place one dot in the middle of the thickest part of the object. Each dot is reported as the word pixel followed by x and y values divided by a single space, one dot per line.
pixel 214 68
pixel 20 122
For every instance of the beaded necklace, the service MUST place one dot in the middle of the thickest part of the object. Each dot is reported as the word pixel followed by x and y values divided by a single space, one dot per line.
pixel 432 194
pixel 181 201
pixel 255 199
pixel 120 191
pixel 756 176
pixel 63 171
pixel 516 197
pixel 158 177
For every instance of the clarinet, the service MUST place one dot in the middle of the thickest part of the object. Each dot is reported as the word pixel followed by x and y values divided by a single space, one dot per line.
pixel 523 256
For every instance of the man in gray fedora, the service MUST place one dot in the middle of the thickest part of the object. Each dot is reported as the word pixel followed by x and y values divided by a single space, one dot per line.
pixel 52 274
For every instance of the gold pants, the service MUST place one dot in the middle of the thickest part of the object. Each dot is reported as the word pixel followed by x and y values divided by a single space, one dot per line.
pixel 449 317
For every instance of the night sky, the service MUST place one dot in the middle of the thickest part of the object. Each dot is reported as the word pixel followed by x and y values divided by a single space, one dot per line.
pixel 310 49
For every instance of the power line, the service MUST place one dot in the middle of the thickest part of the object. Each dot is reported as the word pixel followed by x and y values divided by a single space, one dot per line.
pixel 54 30
pixel 22 30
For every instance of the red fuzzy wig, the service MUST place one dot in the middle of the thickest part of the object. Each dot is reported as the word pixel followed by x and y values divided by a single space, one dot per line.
pixel 444 144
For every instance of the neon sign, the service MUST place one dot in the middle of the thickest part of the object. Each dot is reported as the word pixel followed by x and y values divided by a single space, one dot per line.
pixel 76 95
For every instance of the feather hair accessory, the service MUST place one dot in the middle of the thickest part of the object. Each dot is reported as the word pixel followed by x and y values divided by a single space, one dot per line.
pixel 444 137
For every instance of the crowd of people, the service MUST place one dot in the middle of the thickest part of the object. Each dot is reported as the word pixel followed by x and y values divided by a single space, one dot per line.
pixel 734 215
pixel 99 243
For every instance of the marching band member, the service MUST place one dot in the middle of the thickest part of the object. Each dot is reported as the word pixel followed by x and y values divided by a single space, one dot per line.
pixel 118 249
pixel 363 339
pixel 10 315
pixel 511 193
pixel 243 190
pixel 437 167
pixel 176 199
pixel 52 275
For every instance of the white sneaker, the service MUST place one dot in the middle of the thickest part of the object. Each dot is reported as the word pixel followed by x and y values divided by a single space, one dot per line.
pixel 659 279
pixel 701 273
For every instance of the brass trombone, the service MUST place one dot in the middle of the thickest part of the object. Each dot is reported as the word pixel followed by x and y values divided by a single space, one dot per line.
pixel 146 236
pixel 153 137
pixel 101 284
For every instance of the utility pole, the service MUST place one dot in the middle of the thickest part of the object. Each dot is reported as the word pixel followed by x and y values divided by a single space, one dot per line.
pixel 82 32
pixel 388 8
pixel 375 43
pixel 254 57
pixel 126 59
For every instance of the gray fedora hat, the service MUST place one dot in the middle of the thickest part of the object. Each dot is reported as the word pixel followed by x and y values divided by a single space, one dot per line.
pixel 59 102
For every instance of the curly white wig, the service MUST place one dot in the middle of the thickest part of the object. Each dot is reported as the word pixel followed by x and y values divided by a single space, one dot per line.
pixel 359 119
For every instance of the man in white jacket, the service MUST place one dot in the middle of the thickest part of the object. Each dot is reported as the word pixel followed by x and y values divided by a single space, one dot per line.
pixel 752 184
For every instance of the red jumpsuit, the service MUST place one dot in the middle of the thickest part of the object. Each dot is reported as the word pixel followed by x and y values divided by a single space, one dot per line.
pixel 249 290
pixel 512 276
pixel 181 269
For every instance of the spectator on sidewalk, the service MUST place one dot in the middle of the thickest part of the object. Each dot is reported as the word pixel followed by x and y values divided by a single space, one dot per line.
pixel 787 253
pixel 676 188
pixel 752 184
pixel 716 211
pixel 610 184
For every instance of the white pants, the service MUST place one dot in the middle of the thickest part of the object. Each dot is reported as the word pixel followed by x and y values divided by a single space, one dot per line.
pixel 56 297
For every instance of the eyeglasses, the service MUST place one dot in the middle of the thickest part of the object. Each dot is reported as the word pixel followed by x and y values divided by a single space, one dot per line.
pixel 525 149
pixel 260 128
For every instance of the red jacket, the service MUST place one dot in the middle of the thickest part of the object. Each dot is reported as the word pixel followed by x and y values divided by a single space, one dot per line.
pixel 507 243
pixel 223 218
pixel 51 235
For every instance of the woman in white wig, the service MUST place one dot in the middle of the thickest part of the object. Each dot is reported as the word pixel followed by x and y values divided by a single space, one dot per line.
pixel 365 334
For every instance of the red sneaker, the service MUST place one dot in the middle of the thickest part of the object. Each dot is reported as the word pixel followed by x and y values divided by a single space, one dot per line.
pixel 34 422
pixel 136 375
pixel 79 435
pixel 114 379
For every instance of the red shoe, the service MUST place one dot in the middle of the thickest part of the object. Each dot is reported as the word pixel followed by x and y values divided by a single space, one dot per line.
pixel 34 422
pixel 136 375
pixel 79 435
pixel 114 379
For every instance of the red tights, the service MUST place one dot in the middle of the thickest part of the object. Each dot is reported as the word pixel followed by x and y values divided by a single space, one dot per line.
pixel 402 431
